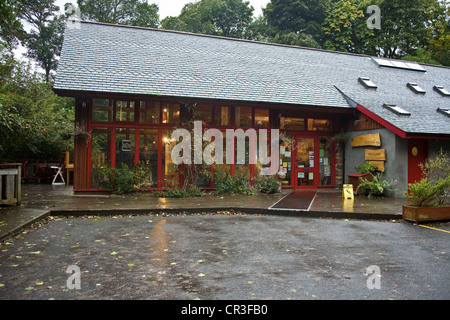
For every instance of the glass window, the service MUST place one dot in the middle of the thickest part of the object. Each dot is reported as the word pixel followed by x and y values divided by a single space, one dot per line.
pixel 100 154
pixel 285 160
pixel 261 118
pixel 243 117
pixel 319 125
pixel 101 110
pixel 148 155
pixel 125 144
pixel 325 161
pixel 171 174
pixel 222 116
pixel 170 113
pixel 203 113
pixel 149 112
pixel 125 110
pixel 292 123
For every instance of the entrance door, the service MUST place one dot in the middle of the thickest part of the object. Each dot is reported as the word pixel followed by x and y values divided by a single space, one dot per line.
pixel 305 164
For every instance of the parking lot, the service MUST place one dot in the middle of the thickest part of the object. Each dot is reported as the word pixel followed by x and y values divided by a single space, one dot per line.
pixel 226 256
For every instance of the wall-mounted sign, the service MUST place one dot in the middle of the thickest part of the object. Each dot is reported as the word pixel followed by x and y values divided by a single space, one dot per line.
pixel 126 145
pixel 367 140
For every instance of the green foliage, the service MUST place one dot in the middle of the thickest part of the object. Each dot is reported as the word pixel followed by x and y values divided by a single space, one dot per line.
pixel 228 18
pixel 191 191
pixel 44 40
pixel 32 118
pixel 376 186
pixel 127 12
pixel 267 185
pixel 426 193
pixel 123 179
pixel 366 168
pixel 237 184
pixel 434 188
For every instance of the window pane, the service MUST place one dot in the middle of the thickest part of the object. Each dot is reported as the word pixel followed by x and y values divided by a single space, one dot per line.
pixel 243 116
pixel 292 123
pixel 319 125
pixel 171 174
pixel 125 111
pixel 203 113
pixel 100 154
pixel 285 160
pixel 125 144
pixel 261 118
pixel 170 113
pixel 148 154
pixel 222 115
pixel 149 112
pixel 101 110
pixel 325 161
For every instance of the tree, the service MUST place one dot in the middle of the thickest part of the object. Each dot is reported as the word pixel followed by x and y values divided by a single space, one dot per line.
pixel 298 16
pixel 345 27
pixel 127 12
pixel 403 28
pixel 228 18
pixel 44 40
pixel 32 118
pixel 10 26
pixel 438 31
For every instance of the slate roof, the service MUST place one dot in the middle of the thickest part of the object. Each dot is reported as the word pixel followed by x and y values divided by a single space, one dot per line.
pixel 130 60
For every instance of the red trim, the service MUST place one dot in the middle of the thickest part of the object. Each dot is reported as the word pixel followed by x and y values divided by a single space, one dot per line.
pixel 384 123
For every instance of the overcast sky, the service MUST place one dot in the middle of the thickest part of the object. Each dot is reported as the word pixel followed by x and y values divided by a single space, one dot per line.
pixel 173 7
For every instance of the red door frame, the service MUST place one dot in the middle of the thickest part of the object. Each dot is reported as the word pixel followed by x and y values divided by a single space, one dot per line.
pixel 314 169
pixel 417 154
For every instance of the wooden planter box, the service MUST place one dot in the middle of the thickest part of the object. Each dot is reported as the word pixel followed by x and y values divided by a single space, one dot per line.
pixel 355 179
pixel 426 213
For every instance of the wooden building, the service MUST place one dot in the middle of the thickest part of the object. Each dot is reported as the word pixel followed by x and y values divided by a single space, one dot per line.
pixel 132 84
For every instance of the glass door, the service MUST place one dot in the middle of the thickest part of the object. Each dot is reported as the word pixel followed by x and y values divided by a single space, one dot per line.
pixel 306 170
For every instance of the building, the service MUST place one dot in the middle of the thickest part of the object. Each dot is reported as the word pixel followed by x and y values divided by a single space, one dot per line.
pixel 131 83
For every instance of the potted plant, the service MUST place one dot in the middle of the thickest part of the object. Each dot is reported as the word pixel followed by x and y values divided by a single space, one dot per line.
pixel 428 197
pixel 363 172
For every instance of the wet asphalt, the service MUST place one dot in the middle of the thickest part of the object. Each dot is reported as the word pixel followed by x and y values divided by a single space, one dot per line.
pixel 221 257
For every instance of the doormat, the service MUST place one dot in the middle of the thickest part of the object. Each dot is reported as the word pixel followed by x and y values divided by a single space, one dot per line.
pixel 300 200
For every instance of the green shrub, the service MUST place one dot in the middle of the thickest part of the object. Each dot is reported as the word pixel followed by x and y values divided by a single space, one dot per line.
pixel 376 187
pixel 366 167
pixel 267 185
pixel 191 191
pixel 225 183
pixel 426 193
pixel 123 179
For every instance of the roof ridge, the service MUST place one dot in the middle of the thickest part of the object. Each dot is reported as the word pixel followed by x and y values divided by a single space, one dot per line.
pixel 224 38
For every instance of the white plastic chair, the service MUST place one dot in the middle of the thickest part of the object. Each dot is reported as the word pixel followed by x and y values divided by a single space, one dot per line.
pixel 58 173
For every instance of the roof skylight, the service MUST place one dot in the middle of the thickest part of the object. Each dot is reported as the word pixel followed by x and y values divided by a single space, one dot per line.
pixel 396 109
pixel 366 82
pixel 416 88
pixel 445 111
pixel 406 65
pixel 442 90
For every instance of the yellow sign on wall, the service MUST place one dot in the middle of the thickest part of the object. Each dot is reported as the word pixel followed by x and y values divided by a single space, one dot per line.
pixel 347 191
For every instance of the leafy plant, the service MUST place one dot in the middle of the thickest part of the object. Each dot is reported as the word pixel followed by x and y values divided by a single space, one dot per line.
pixel 123 179
pixel 225 183
pixel 191 191
pixel 366 168
pixel 376 187
pixel 267 185
pixel 434 188
pixel 424 192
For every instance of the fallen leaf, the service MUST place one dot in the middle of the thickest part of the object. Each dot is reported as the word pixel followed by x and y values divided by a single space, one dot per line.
pixel 113 253
pixel 201 275
pixel 35 252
